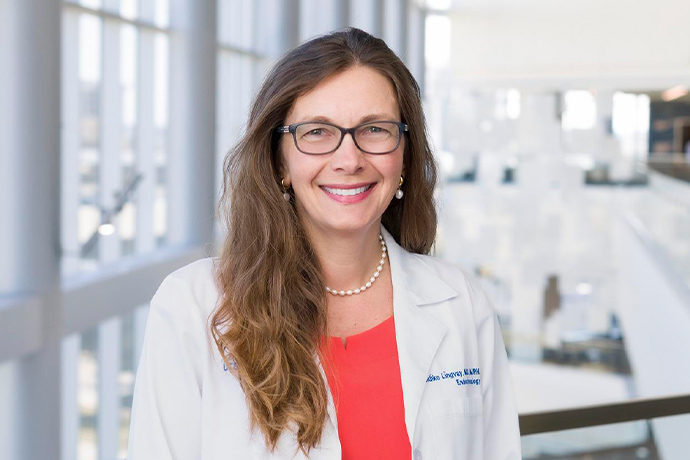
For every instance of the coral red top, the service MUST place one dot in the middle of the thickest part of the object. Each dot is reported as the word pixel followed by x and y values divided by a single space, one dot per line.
pixel 364 377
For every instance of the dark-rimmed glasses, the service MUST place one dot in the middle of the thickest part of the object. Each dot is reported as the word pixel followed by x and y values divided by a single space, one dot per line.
pixel 320 137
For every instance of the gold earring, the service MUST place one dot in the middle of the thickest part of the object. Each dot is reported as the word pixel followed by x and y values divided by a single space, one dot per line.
pixel 399 193
pixel 286 194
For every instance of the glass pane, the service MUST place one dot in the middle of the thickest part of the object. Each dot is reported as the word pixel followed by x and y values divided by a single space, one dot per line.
pixel 128 8
pixel 162 18
pixel 437 41
pixel 87 396
pixel 656 439
pixel 580 110
pixel 666 221
pixel 630 122
pixel 625 440
pixel 95 4
pixel 90 64
pixel 247 37
pixel 236 23
pixel 126 220
pixel 126 379
pixel 161 135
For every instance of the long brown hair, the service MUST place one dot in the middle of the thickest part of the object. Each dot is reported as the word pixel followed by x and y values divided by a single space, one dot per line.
pixel 272 313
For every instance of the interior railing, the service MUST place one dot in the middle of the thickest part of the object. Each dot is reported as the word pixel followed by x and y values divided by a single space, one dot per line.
pixel 604 414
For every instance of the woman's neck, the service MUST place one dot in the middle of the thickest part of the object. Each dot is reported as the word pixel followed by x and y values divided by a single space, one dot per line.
pixel 348 260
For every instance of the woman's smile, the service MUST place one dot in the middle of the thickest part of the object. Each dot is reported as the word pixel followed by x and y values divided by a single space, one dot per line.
pixel 348 194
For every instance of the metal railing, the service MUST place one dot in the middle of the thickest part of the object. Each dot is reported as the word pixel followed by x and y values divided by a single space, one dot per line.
pixel 605 414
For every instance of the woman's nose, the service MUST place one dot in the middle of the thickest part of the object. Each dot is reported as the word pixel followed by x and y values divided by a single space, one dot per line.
pixel 348 157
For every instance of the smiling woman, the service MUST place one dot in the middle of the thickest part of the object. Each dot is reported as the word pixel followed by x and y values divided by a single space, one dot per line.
pixel 327 314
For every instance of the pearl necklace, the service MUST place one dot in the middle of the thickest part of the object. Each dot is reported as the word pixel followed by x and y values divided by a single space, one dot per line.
pixel 371 280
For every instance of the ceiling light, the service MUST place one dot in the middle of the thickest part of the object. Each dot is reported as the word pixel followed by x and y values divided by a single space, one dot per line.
pixel 674 93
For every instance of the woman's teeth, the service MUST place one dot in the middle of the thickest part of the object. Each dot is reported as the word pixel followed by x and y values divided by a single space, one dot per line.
pixel 347 191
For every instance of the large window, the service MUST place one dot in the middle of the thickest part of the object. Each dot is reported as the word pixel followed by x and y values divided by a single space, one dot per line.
pixel 115 144
pixel 243 55
pixel 115 97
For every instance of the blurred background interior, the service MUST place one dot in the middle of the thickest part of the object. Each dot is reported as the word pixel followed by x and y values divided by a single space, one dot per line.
pixel 562 131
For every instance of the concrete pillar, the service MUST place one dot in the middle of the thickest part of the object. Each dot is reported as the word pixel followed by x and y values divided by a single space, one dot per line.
pixel 29 195
pixel 192 122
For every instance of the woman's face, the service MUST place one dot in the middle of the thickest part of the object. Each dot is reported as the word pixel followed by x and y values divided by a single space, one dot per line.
pixel 346 99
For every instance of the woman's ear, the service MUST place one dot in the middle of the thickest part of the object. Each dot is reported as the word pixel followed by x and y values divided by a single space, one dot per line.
pixel 283 172
pixel 279 162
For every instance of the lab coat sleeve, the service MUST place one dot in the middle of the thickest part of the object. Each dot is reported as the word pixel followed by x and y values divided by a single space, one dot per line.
pixel 166 412
pixel 500 418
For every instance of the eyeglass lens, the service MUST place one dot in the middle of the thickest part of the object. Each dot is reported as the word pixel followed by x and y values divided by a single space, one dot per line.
pixel 316 138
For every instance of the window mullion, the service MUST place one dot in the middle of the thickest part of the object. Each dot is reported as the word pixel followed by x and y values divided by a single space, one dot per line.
pixel 146 165
pixel 69 403
pixel 109 360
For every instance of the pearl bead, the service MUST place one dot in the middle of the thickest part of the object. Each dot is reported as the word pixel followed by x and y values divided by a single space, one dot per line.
pixel 357 291
pixel 348 292
pixel 368 284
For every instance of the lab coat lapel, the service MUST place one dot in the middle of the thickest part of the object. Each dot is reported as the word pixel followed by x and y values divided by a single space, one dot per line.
pixel 418 334
pixel 331 405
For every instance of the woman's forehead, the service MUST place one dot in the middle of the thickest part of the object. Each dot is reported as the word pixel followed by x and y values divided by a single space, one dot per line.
pixel 348 96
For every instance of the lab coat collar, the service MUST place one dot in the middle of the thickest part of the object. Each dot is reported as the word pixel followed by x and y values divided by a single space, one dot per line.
pixel 421 284
pixel 418 333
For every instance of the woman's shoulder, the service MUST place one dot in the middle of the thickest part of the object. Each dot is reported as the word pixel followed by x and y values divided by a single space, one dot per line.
pixel 192 286
pixel 197 272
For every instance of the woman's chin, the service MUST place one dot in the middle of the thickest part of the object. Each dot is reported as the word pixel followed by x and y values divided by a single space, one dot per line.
pixel 344 225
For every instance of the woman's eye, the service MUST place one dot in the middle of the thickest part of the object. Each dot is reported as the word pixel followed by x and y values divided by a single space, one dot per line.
pixel 376 130
pixel 315 132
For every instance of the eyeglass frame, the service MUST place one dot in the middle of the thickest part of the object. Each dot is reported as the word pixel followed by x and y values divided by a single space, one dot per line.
pixel 402 128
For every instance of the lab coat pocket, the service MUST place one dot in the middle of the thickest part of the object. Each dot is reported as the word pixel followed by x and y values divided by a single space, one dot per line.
pixel 458 429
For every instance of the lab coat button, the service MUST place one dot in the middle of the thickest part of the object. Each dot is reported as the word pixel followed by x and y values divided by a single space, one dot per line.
pixel 417 455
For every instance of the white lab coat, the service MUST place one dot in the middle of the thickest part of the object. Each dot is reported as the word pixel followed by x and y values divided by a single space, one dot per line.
pixel 188 407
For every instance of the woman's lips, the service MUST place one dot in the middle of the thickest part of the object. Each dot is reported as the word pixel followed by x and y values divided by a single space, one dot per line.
pixel 343 194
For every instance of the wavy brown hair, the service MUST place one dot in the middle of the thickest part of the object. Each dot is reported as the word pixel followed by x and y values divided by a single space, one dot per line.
pixel 271 317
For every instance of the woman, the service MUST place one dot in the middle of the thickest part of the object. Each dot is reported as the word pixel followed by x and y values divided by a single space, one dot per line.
pixel 324 330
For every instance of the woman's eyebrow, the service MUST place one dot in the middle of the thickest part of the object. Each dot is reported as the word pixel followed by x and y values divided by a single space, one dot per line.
pixel 364 119
pixel 377 116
